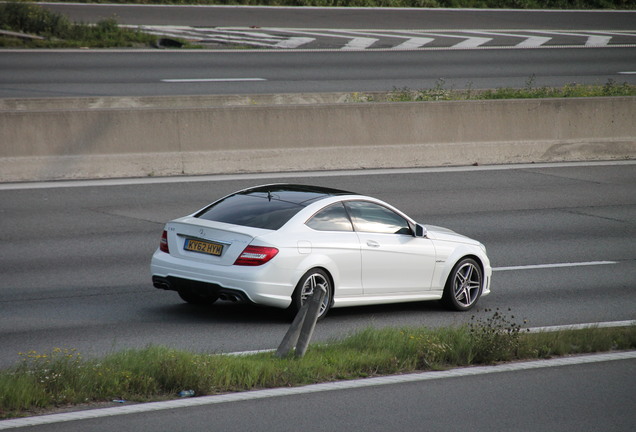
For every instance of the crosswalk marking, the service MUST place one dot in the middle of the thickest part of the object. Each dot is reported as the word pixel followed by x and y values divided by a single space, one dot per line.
pixel 528 42
pixel 293 42
pixel 410 43
pixel 359 40
pixel 413 43
pixel 472 42
pixel 359 43
pixel 466 43
pixel 592 39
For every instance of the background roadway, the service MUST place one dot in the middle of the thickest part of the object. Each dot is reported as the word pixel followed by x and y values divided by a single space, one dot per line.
pixel 125 73
pixel 52 73
pixel 349 18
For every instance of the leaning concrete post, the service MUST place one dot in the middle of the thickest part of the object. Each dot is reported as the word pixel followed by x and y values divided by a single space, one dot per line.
pixel 291 337
pixel 309 323
pixel 301 329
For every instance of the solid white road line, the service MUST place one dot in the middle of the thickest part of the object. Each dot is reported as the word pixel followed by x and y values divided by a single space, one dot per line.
pixel 297 174
pixel 603 324
pixel 315 388
pixel 609 324
pixel 556 265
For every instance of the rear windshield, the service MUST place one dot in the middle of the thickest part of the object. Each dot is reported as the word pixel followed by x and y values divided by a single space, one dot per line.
pixel 254 209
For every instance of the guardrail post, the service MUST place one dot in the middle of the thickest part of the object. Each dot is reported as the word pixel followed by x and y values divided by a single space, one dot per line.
pixel 301 329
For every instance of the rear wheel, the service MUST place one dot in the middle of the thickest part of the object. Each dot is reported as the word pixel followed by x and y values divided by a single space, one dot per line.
pixel 463 286
pixel 197 299
pixel 308 284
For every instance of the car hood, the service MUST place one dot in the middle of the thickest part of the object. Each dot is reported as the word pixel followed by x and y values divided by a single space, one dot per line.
pixel 441 233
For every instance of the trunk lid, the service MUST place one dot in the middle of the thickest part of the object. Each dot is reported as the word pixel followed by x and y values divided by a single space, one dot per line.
pixel 208 241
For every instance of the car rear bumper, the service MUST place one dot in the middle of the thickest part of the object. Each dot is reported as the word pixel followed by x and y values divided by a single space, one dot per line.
pixel 236 283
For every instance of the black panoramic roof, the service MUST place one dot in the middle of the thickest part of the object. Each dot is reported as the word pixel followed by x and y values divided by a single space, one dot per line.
pixel 267 206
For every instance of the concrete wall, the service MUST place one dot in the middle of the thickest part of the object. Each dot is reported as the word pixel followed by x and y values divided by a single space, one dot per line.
pixel 45 143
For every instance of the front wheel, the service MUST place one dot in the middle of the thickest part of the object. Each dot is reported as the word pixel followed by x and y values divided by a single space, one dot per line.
pixel 306 287
pixel 463 286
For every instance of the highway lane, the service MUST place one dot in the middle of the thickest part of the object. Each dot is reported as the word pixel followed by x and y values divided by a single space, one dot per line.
pixel 584 397
pixel 349 18
pixel 74 261
pixel 79 73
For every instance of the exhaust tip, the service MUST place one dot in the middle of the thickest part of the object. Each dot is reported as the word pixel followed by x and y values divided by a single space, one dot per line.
pixel 161 283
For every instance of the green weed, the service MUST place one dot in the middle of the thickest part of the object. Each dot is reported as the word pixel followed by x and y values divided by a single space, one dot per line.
pixel 439 93
pixel 57 31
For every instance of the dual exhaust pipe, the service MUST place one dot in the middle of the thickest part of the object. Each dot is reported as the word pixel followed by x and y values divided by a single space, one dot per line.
pixel 172 284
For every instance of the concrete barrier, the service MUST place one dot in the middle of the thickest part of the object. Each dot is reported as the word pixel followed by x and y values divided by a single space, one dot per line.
pixel 44 142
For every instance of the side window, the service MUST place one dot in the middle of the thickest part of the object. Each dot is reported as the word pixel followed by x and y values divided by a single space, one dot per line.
pixel 371 217
pixel 332 218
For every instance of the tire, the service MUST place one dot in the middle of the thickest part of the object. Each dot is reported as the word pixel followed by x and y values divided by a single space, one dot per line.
pixel 464 285
pixel 305 288
pixel 196 299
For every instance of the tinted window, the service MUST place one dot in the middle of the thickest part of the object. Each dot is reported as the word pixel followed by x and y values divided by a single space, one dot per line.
pixel 255 209
pixel 332 218
pixel 371 217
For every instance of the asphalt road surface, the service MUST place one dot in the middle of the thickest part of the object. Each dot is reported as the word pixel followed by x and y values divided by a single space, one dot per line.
pixel 101 73
pixel 349 18
pixel 75 260
pixel 74 268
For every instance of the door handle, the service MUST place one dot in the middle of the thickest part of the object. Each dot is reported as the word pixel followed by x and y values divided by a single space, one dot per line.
pixel 373 244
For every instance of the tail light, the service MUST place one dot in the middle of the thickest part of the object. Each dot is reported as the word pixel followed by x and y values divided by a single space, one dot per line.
pixel 163 245
pixel 255 256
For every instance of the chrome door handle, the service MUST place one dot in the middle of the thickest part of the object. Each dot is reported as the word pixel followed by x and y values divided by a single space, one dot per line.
pixel 373 244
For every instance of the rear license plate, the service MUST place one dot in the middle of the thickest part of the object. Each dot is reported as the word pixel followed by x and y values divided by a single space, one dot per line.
pixel 203 247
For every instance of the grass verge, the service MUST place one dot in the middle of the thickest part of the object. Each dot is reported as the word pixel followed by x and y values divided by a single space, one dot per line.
pixel 530 91
pixel 28 25
pixel 63 377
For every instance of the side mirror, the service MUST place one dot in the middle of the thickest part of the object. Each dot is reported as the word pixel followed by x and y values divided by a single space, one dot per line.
pixel 420 231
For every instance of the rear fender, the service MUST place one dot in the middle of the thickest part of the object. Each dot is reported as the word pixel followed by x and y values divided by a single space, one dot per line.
pixel 317 261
